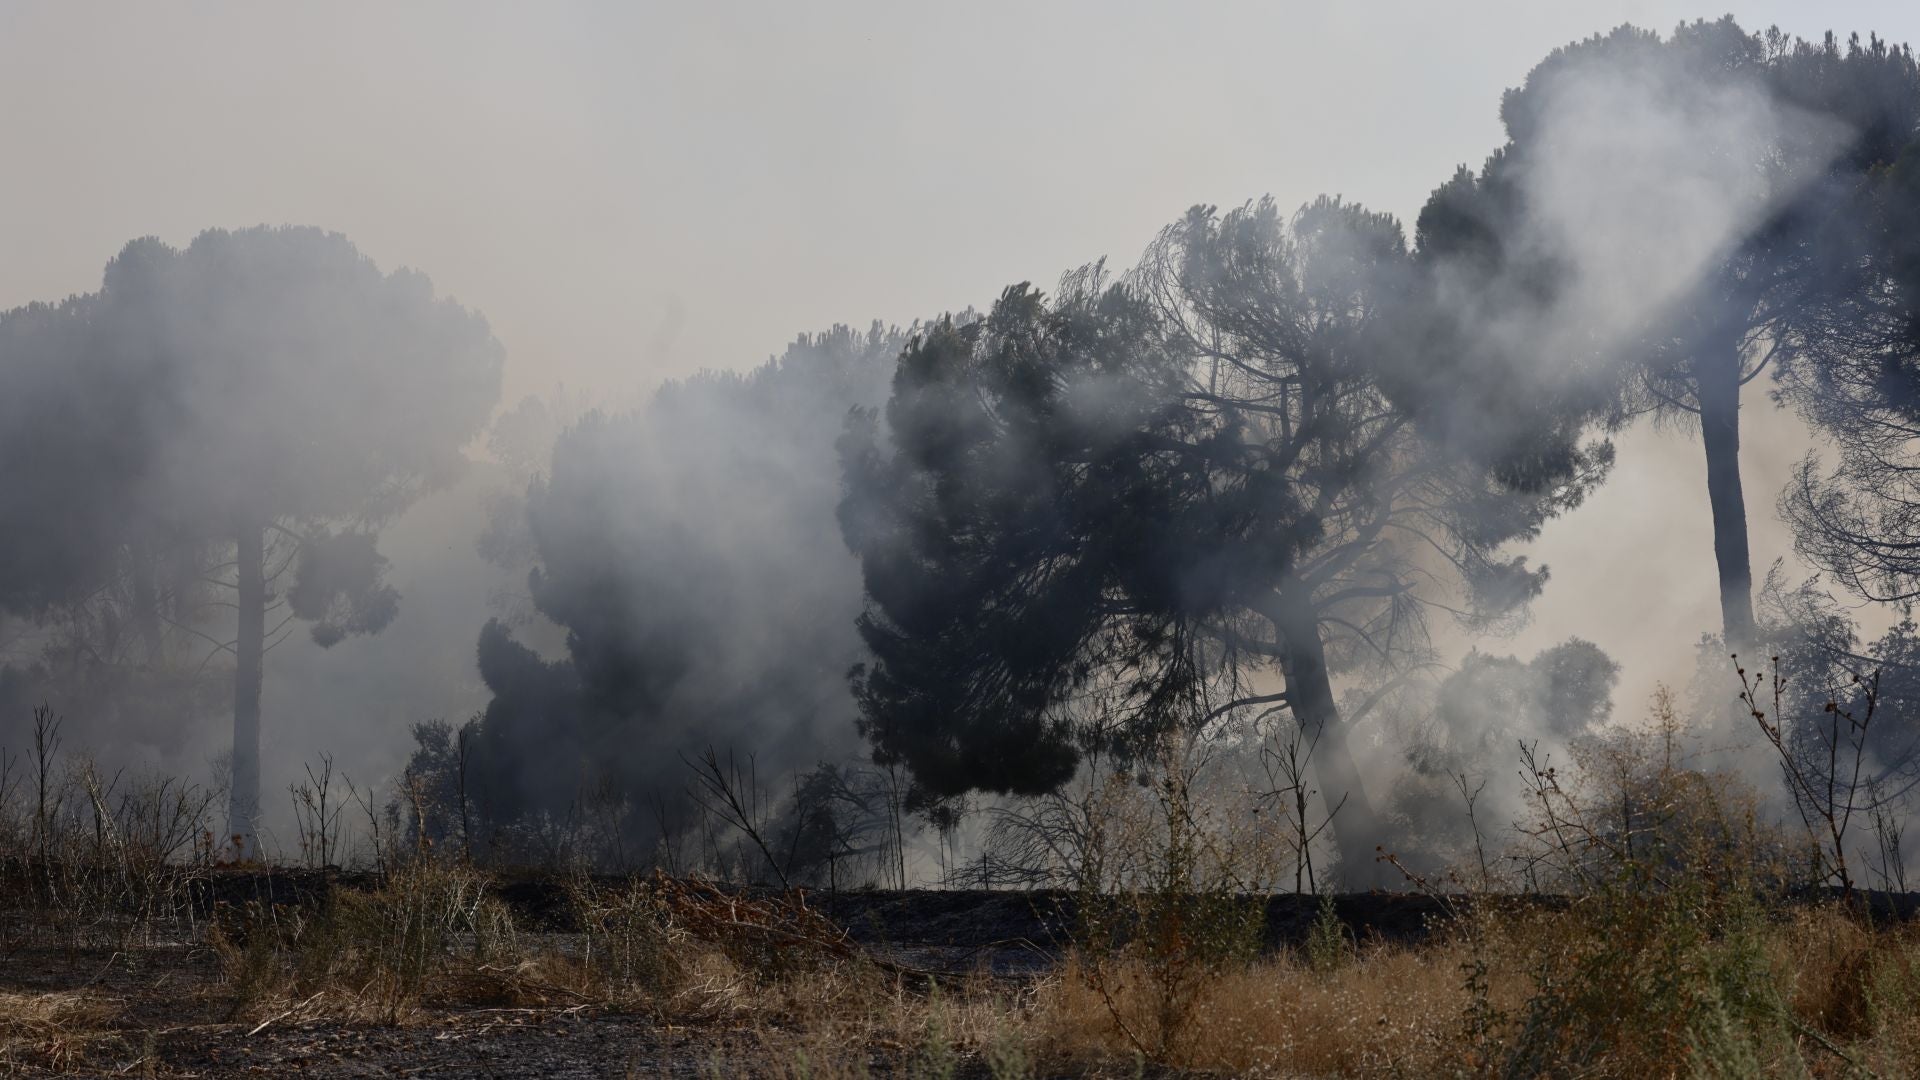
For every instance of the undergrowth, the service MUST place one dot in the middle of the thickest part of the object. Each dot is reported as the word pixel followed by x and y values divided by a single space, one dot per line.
pixel 1647 921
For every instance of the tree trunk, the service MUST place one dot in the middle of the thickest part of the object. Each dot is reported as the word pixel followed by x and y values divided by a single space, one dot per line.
pixel 1310 696
pixel 243 806
pixel 1718 392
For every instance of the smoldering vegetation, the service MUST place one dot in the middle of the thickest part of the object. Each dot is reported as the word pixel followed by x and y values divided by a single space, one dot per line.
pixel 1167 587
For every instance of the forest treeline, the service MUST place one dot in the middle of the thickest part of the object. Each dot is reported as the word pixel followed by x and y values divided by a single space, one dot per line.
pixel 1239 489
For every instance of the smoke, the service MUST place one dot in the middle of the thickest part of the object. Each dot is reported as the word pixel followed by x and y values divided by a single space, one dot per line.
pixel 690 553
pixel 1636 167
pixel 1650 167
pixel 1460 733
pixel 1654 196
pixel 226 426
pixel 675 577
pixel 704 596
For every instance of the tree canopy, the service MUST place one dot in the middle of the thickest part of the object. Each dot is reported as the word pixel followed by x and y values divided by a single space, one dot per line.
pixel 254 404
pixel 1112 512
pixel 1668 219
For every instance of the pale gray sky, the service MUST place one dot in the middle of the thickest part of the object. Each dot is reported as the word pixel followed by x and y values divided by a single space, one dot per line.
pixel 630 191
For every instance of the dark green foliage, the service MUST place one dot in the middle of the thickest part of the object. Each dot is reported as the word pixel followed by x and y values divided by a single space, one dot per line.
pixel 339 586
pixel 530 729
pixel 267 375
pixel 56 425
pixel 1049 520
pixel 1815 644
pixel 1102 507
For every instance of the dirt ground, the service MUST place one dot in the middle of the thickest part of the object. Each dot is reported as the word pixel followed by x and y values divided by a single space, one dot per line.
pixel 163 1011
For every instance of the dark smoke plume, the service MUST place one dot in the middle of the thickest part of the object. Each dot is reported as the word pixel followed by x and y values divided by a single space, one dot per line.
pixel 690 553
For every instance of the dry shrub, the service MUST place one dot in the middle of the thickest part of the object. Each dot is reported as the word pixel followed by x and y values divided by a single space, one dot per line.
pixel 1854 988
pixel 1831 960
pixel 251 942
pixel 432 933
pixel 1661 963
pixel 1659 957
pixel 368 954
pixel 1893 1006
pixel 770 934
pixel 632 953
pixel 94 858
pixel 1651 984
pixel 387 944
pixel 1166 903
pixel 1639 813
pixel 54 1031
pixel 1586 992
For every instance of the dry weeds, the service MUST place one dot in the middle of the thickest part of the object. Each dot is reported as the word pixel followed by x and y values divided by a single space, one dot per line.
pixel 1661 954
pixel 56 1032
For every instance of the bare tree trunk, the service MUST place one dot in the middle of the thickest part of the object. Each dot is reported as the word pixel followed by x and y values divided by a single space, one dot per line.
pixel 1718 393
pixel 466 824
pixel 243 806
pixel 1310 696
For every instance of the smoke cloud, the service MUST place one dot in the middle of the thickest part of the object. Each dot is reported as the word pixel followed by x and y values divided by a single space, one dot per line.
pixel 609 580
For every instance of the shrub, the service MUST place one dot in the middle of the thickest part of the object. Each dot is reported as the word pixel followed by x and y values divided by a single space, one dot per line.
pixel 375 950
pixel 632 949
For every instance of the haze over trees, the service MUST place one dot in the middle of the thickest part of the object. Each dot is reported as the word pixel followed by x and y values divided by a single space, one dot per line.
pixel 1679 255
pixel 1286 465
pixel 262 401
pixel 1109 513
pixel 1860 522
pixel 689 552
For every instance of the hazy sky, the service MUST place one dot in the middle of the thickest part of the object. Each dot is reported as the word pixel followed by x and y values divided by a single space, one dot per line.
pixel 637 190
pixel 633 189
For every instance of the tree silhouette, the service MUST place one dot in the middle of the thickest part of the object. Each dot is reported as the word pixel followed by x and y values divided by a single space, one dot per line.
pixel 99 598
pixel 261 402
pixel 1115 512
pixel 1859 517
pixel 1726 213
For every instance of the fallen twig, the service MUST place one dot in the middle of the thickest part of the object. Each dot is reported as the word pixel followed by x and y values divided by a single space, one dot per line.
pixel 281 1016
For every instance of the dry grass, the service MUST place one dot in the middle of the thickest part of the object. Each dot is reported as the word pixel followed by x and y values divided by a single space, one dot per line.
pixel 1389 1008
pixel 681 953
pixel 1819 992
pixel 56 1032
pixel 1660 956
pixel 1662 963
pixel 1609 987
pixel 432 930
pixel 850 1021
